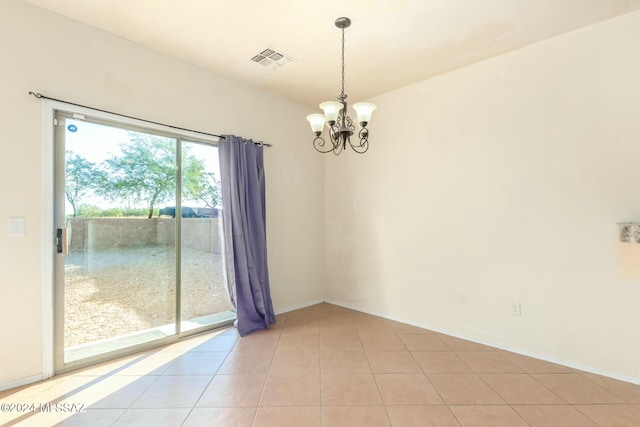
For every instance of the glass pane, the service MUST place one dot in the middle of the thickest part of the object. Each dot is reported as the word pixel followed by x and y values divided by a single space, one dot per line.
pixel 119 285
pixel 204 295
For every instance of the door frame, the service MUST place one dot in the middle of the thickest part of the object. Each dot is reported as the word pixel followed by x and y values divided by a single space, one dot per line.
pixel 49 108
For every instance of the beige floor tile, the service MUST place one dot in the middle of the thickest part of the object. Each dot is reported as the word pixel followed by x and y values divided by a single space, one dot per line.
pixel 51 417
pixel 488 362
pixel 191 343
pixel 488 416
pixel 392 362
pixel 425 342
pixel 337 326
pixel 464 389
pixel 288 417
pixel 535 366
pixel 84 389
pixel 298 344
pixel 147 364
pixel 340 341
pixel 352 363
pixel 12 417
pixel 180 391
pixel 576 389
pixel 196 363
pixel 440 362
pixel 246 363
pixel 33 419
pixel 407 389
pixel 113 367
pixel 612 415
pixel 25 392
pixel 302 317
pixel 344 362
pixel 303 362
pixel 93 418
pixel 233 391
pixel 350 390
pixel 159 417
pixel 298 319
pixel 520 389
pixel 373 325
pixel 457 344
pixel 403 328
pixel 364 416
pixel 53 390
pixel 626 391
pixel 291 390
pixel 381 342
pixel 117 392
pixel 218 343
pixel 280 320
pixel 421 416
pixel 553 416
pixel 312 328
pixel 220 417
pixel 260 342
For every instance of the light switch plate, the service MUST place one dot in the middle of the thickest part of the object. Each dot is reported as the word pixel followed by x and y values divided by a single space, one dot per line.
pixel 16 226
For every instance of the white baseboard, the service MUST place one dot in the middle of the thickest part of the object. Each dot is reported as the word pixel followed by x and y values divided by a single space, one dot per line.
pixel 20 382
pixel 580 367
pixel 299 306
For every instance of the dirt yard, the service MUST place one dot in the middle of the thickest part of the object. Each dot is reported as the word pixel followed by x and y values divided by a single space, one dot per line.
pixel 109 293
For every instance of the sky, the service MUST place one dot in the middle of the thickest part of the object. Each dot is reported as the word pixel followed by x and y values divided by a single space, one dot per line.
pixel 97 142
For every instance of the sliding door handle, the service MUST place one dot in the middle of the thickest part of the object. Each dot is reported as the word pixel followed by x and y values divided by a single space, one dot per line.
pixel 61 241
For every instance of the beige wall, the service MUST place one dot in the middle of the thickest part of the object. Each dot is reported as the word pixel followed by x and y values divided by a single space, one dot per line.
pixel 44 52
pixel 499 183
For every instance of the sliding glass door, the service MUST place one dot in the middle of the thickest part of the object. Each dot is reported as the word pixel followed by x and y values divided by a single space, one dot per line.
pixel 138 258
pixel 204 296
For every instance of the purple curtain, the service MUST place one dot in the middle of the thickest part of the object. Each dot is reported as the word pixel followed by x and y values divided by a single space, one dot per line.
pixel 244 220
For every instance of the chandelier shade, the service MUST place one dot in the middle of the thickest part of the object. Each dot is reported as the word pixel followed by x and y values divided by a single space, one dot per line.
pixel 364 110
pixel 341 126
pixel 317 122
pixel 331 110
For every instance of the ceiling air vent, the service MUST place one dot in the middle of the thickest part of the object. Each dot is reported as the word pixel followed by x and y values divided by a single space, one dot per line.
pixel 272 59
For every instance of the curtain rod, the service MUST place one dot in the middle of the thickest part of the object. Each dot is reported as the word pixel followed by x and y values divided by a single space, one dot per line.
pixel 41 96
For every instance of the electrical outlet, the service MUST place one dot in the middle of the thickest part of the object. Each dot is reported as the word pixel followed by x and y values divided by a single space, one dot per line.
pixel 16 226
pixel 516 309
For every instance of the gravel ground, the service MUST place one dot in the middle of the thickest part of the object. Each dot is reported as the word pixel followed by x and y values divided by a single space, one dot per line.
pixel 115 292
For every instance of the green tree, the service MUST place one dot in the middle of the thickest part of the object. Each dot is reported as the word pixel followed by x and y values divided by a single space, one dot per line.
pixel 81 178
pixel 145 172
pixel 201 185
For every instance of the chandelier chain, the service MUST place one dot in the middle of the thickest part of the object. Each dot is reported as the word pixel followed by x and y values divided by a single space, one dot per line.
pixel 342 95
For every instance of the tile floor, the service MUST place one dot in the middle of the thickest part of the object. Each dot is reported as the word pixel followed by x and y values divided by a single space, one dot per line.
pixel 327 366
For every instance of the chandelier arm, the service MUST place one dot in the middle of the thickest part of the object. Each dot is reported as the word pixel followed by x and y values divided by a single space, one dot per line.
pixel 361 149
pixel 364 136
pixel 319 143
pixel 364 142
pixel 334 132
pixel 349 124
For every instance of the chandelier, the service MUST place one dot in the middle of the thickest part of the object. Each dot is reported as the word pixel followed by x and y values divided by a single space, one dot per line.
pixel 340 125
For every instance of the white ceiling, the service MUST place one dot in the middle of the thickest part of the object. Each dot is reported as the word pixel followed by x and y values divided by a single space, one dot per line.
pixel 390 44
